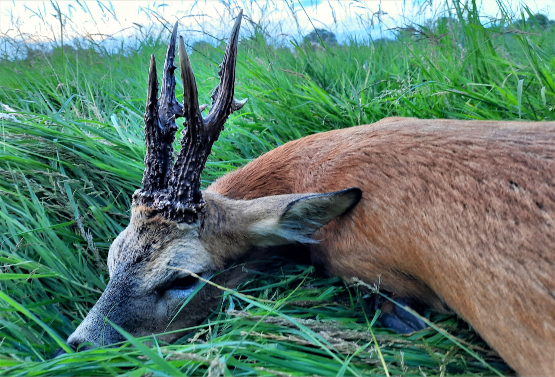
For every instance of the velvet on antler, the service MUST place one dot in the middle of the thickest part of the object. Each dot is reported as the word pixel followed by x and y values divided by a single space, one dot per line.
pixel 175 191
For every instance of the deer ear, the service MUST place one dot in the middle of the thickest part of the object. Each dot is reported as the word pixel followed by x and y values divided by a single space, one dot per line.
pixel 303 216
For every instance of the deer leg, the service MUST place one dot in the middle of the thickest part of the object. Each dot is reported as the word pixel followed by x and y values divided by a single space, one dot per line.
pixel 396 318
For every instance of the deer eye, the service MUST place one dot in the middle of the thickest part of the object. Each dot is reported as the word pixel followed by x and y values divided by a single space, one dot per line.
pixel 183 283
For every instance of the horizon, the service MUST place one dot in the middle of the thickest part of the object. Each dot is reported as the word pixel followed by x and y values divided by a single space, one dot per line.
pixel 117 22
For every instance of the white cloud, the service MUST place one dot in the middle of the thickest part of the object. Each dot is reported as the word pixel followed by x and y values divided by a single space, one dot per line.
pixel 211 18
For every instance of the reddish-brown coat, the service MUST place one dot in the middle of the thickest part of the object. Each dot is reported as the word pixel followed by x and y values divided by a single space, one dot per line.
pixel 454 212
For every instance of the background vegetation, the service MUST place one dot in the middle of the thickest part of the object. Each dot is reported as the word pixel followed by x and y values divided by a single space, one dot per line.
pixel 71 154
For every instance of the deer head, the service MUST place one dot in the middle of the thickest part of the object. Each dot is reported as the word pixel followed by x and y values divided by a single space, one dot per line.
pixel 175 229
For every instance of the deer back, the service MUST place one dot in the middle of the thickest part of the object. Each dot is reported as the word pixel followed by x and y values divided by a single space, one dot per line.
pixel 456 213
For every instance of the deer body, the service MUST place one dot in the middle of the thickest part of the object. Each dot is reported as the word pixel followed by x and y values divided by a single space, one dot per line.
pixel 450 213
pixel 453 212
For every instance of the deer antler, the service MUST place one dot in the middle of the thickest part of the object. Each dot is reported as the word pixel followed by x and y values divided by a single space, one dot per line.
pixel 178 195
pixel 160 129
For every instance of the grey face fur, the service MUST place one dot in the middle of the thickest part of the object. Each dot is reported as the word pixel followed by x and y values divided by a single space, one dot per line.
pixel 149 259
pixel 139 296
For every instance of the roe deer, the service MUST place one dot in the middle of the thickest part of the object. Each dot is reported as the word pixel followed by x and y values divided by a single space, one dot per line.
pixel 447 213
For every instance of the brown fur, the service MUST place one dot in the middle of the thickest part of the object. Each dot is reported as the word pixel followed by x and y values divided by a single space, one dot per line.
pixel 454 212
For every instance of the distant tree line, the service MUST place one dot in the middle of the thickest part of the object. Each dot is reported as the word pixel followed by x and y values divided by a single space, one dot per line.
pixel 318 39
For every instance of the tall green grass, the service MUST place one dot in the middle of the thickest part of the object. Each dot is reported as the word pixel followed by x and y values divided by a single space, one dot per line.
pixel 71 156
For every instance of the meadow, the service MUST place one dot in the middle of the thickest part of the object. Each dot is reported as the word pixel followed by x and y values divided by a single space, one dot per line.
pixel 71 155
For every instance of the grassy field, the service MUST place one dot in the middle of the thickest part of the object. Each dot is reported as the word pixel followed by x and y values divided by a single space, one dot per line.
pixel 71 154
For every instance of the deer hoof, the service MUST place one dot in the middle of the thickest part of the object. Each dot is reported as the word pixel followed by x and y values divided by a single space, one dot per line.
pixel 397 318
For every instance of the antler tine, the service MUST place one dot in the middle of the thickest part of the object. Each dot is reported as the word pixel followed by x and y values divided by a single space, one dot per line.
pixel 184 201
pixel 223 102
pixel 153 175
pixel 170 109
pixel 190 93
